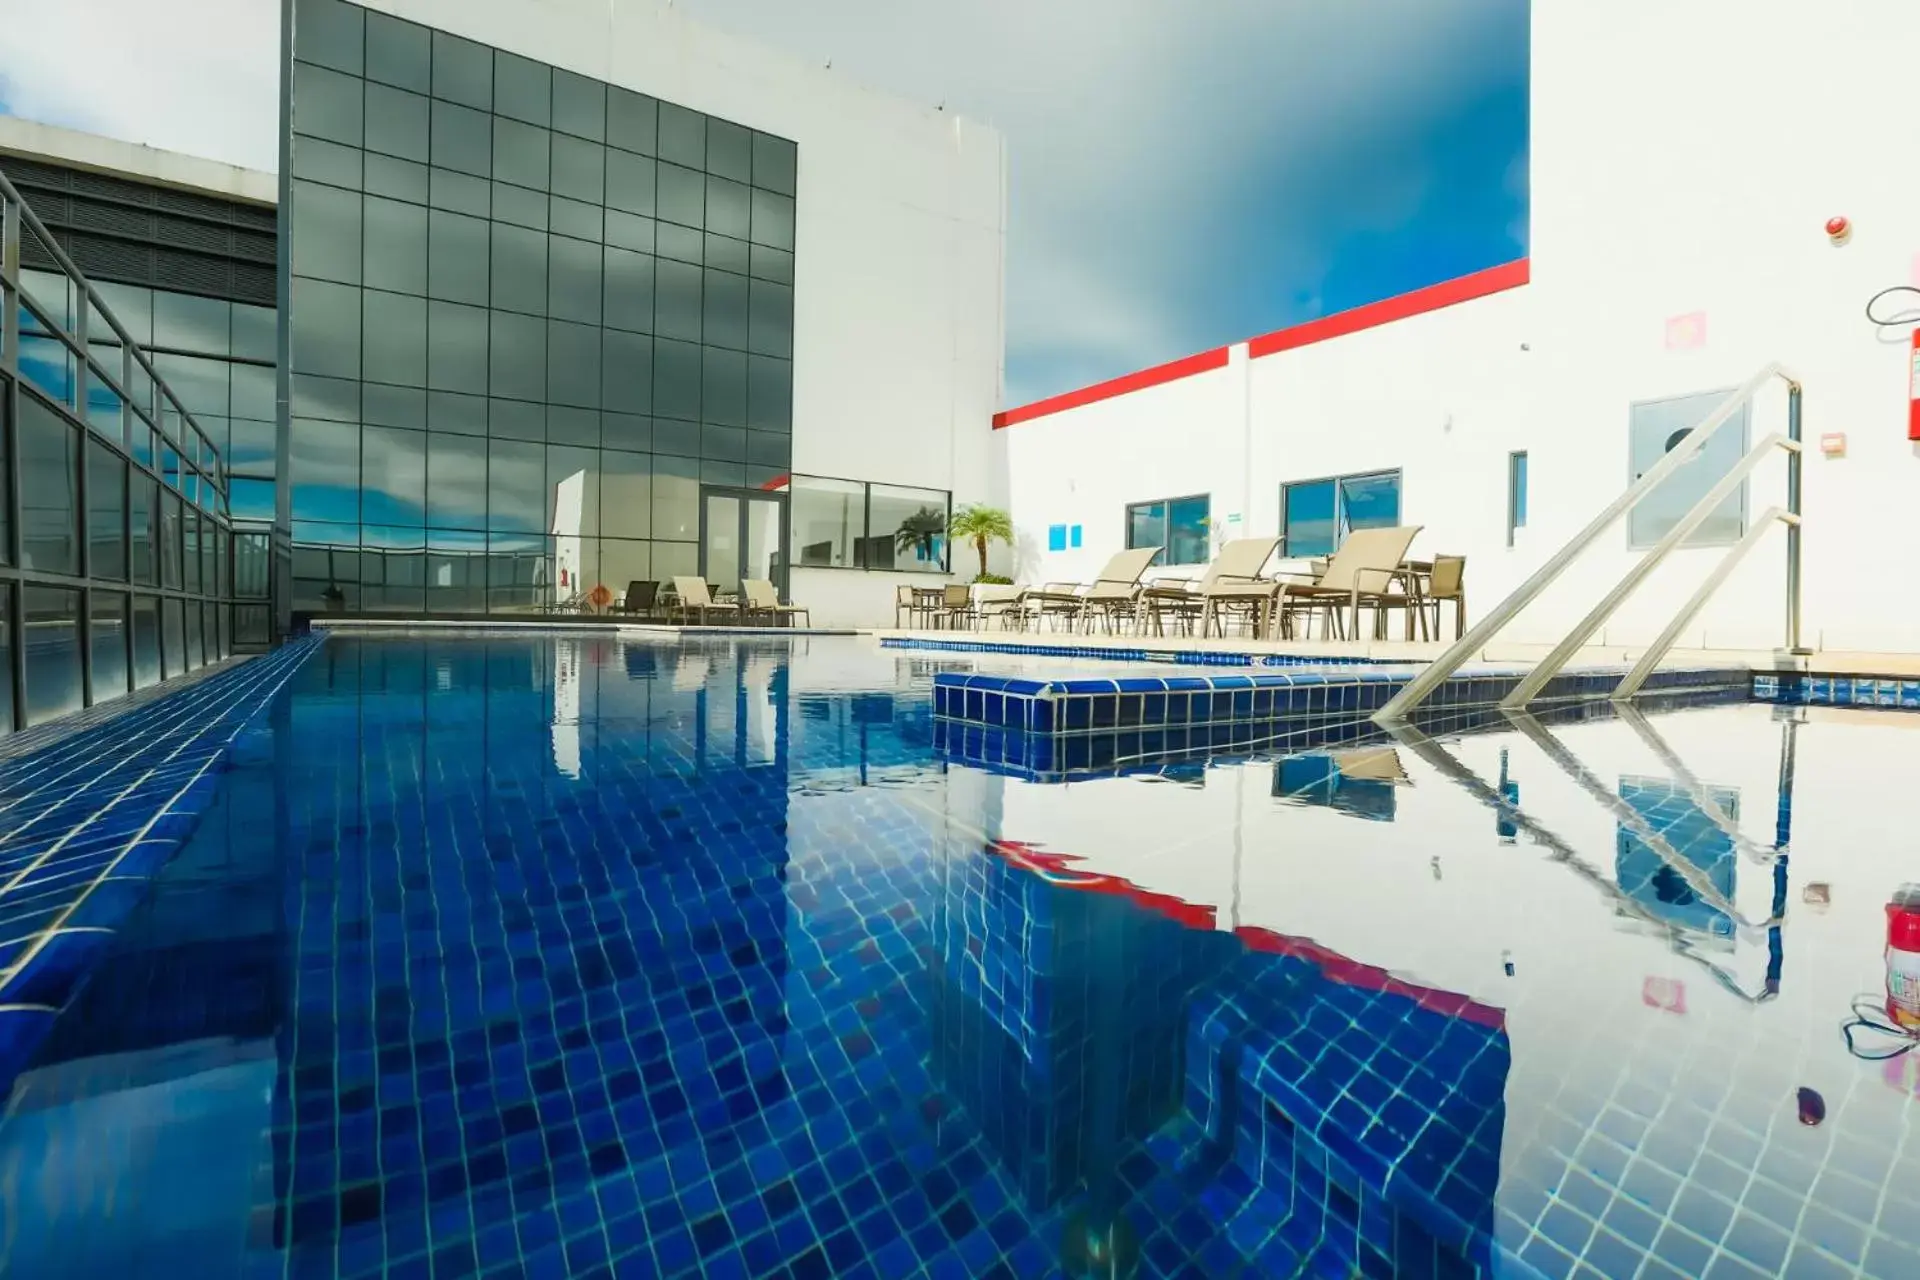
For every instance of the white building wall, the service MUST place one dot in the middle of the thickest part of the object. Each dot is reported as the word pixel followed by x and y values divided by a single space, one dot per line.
pixel 899 240
pixel 1684 161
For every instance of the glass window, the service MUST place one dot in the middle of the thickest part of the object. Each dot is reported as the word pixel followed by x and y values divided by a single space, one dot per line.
pixel 326 329
pixel 400 179
pixel 251 499
pixel 630 232
pixel 200 384
pixel 255 335
pixel 397 123
pixel 327 162
pixel 190 560
pixel 519 206
pixel 579 169
pixel 626 490
pixel 456 481
pixel 522 88
pixel 50 619
pixel 725 310
pixel 456 347
pixel 727 254
pixel 774 163
pixel 1179 525
pixel 679 438
pixel 253 392
pixel 131 305
pixel 393 476
pixel 516 485
pixel 518 368
pixel 170 568
pixel 106 512
pixel 676 499
pixel 1317 515
pixel 456 571
pixel 630 183
pixel 396 338
pixel 326 104
pixel 676 300
pixel 330 33
pixel 573 366
pixel 683 136
pixel 462 71
pixel 729 208
pixel 146 641
pixel 580 106
pixel 142 515
pixel 772 218
pixel 681 195
pixel 519 269
pixel 573 279
pixel 629 290
pixel 6 661
pixel 1655 429
pixel 769 394
pixel 196 656
pixel 521 154
pixel 828 518
pixel 572 218
pixel 457 258
pixel 49 490
pixel 632 121
pixel 516 420
pixel 770 319
pixel 676 379
pixel 326 235
pixel 573 491
pixel 323 470
pixel 579 426
pixel 174 654
pixel 723 392
pixel 627 372
pixel 395 406
pixel 766 449
pixel 462 139
pixel 458 192
pixel 729 150
pixel 184 322
pixel 1516 493
pixel 398 53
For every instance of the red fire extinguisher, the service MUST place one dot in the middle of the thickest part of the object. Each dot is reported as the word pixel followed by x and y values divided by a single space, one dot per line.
pixel 1913 388
pixel 1903 958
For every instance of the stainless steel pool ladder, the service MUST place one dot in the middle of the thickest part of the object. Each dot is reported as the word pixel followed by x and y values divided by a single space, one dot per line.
pixel 1687 448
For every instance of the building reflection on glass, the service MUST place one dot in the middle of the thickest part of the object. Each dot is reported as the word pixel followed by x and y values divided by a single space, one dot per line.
pixel 1694 893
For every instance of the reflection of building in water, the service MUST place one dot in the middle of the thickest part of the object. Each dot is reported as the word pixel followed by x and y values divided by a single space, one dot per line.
pixel 1695 893
pixel 1360 782
pixel 566 708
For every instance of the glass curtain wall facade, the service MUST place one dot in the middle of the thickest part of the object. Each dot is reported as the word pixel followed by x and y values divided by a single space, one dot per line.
pixel 190 276
pixel 114 529
pixel 527 316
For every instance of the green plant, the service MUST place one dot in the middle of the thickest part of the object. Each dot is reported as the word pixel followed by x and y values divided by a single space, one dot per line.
pixel 917 532
pixel 980 524
pixel 993 580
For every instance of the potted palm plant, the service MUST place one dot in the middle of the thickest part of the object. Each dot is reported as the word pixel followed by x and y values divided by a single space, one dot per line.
pixel 981 524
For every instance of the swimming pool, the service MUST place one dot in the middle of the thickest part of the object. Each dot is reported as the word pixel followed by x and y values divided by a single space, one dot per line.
pixel 554 956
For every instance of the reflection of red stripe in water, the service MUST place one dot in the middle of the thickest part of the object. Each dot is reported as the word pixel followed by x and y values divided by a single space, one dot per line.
pixel 1056 868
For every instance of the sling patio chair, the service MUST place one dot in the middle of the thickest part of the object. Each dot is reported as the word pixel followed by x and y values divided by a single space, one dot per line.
pixel 1113 595
pixel 1231 582
pixel 1360 575
pixel 763 601
pixel 694 601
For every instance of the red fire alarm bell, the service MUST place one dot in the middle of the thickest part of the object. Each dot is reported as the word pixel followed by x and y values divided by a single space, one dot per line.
pixel 1839 230
pixel 1913 390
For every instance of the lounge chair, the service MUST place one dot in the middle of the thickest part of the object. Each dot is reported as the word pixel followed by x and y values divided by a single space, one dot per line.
pixel 1361 573
pixel 762 599
pixel 1231 582
pixel 694 601
pixel 1112 596
pixel 642 598
pixel 1008 604
pixel 1447 581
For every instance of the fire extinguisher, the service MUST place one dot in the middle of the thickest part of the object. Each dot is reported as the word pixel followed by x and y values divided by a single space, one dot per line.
pixel 1903 958
pixel 1913 388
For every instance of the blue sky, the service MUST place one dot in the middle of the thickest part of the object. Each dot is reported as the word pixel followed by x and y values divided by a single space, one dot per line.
pixel 1183 175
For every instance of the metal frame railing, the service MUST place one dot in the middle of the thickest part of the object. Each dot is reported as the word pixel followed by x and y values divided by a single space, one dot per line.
pixel 1689 446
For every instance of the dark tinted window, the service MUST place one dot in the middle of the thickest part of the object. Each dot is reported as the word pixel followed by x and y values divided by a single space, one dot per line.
pixel 774 163
pixel 520 154
pixel 327 104
pixel 399 53
pixel 462 71
pixel 579 106
pixel 330 33
pixel 522 89
pixel 397 123
pixel 683 136
pixel 632 121
pixel 462 139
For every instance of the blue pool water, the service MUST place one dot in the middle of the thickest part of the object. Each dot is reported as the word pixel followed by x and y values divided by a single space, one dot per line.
pixel 577 957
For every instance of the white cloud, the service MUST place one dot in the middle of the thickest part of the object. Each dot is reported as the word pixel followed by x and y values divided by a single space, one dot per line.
pixel 198 76
pixel 1149 140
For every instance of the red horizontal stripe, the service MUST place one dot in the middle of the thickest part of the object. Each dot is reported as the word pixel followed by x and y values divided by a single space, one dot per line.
pixel 1447 293
pixel 1352 973
pixel 1341 969
pixel 778 482
pixel 1170 372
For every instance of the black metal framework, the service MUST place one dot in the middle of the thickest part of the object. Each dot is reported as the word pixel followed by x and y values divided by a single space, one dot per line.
pixel 88 611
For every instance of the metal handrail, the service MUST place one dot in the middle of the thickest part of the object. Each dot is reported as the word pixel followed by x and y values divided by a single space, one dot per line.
pixel 1685 450
pixel 79 343
pixel 1548 667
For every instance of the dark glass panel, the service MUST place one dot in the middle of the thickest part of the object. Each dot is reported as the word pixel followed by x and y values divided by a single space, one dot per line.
pixel 683 136
pixel 399 53
pixel 632 121
pixel 520 154
pixel 456 481
pixel 326 329
pixel 629 290
pixel 51 619
pixel 462 71
pixel 396 339
pixel 327 104
pixel 729 150
pixel 573 279
pixel 676 379
pixel 725 310
pixel 457 257
pixel 323 470
pixel 456 347
pixel 518 365
pixel 770 326
pixel 769 394
pixel 397 123
pixel 462 139
pixel 522 89
pixel 396 246
pixel 772 220
pixel 579 106
pixel 630 181
pixel 579 169
pixel 723 390
pixel 573 366
pixel 330 33
pixel 627 371
pixel 676 300
pixel 107 646
pixel 49 489
pixel 774 163
pixel 681 195
pixel 106 512
pixel 519 269
pixel 516 485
